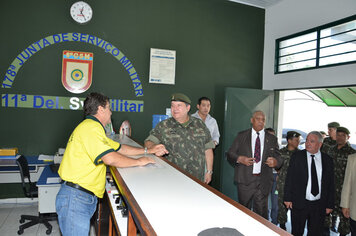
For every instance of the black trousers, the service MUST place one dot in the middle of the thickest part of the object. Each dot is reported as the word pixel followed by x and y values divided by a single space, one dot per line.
pixel 313 214
pixel 353 227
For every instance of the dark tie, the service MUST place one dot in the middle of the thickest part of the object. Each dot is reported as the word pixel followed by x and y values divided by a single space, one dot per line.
pixel 257 154
pixel 314 178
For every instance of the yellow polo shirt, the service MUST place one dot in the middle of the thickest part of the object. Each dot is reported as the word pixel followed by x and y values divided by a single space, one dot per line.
pixel 81 163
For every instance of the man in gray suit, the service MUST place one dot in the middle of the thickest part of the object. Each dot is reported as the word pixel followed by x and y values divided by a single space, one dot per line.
pixel 254 153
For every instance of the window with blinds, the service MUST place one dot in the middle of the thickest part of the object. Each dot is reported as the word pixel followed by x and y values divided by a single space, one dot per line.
pixel 328 45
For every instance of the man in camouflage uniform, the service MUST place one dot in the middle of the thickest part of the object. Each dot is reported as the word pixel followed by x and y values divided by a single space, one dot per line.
pixel 328 143
pixel 331 140
pixel 186 138
pixel 293 139
pixel 340 153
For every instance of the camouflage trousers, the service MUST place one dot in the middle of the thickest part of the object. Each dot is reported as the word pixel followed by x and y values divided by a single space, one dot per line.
pixel 344 224
pixel 282 210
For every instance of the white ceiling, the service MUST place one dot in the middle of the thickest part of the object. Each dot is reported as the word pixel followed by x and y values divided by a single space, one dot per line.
pixel 258 3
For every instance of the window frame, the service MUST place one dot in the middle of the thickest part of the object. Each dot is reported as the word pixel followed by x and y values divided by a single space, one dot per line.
pixel 318 38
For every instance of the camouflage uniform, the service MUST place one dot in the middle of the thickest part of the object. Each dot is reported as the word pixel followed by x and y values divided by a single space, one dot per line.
pixel 282 173
pixel 340 160
pixel 186 143
pixel 327 144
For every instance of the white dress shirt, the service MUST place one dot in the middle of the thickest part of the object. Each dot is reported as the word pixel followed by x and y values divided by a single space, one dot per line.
pixel 212 125
pixel 257 166
pixel 317 159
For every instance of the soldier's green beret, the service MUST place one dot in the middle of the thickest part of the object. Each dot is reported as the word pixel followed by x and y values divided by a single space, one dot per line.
pixel 343 129
pixel 333 125
pixel 180 97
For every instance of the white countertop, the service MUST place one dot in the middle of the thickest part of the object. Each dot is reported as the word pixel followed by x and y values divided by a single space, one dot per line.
pixel 174 204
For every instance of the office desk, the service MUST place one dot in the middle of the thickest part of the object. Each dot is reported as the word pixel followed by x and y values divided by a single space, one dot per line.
pixel 165 201
pixel 9 171
pixel 47 191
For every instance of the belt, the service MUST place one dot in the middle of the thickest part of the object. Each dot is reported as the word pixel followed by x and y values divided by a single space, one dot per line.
pixel 312 201
pixel 256 174
pixel 76 186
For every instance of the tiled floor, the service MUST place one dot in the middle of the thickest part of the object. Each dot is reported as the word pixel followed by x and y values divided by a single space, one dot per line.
pixel 10 211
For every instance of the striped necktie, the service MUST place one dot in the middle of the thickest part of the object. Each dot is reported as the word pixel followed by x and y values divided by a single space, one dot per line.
pixel 257 154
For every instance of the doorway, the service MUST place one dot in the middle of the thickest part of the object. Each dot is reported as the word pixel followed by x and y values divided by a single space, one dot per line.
pixel 305 111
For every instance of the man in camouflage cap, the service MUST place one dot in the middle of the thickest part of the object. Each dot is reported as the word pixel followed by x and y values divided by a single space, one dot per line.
pixel 340 152
pixel 293 139
pixel 186 138
pixel 331 140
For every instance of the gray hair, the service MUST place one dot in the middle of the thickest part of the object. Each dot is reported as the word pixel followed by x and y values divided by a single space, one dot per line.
pixel 258 111
pixel 318 134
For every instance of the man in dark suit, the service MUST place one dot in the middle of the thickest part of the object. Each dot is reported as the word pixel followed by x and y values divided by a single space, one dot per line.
pixel 254 153
pixel 309 187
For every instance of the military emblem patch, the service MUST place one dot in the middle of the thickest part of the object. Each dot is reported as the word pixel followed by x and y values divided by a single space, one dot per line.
pixel 77 70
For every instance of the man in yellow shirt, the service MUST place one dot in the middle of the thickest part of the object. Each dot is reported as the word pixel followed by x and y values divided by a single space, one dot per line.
pixel 83 168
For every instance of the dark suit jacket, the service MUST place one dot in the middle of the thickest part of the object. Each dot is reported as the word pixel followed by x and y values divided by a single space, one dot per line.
pixel 242 147
pixel 297 180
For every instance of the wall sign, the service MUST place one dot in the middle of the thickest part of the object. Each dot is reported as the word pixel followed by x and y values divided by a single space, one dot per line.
pixel 72 37
pixel 64 103
pixel 77 71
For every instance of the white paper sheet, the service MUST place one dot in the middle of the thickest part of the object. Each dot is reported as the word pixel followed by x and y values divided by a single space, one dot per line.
pixel 45 157
pixel 53 180
pixel 162 66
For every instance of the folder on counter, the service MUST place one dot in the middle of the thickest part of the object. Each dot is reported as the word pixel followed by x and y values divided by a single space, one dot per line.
pixel 8 151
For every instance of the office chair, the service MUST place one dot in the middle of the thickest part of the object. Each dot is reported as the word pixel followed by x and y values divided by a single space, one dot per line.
pixel 30 190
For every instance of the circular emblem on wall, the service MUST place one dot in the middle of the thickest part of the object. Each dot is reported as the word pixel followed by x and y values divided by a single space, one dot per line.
pixel 77 75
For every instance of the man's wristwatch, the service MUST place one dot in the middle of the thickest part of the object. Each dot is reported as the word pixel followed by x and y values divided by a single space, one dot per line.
pixel 209 172
pixel 145 150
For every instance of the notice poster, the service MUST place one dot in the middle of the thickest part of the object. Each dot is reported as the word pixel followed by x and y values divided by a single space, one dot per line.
pixel 162 66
